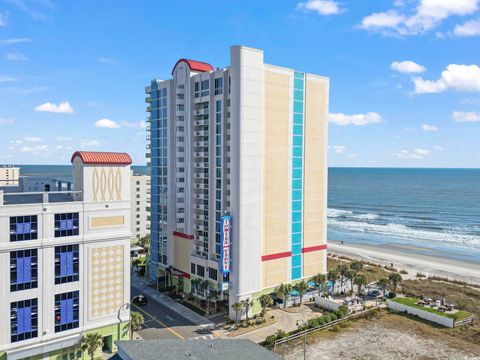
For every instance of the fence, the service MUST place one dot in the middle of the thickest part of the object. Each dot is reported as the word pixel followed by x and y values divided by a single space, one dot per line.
pixel 318 328
pixel 464 321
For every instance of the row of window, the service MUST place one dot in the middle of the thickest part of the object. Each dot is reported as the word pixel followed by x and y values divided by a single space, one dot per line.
pixel 199 270
pixel 24 316
pixel 26 227
pixel 202 88
pixel 24 267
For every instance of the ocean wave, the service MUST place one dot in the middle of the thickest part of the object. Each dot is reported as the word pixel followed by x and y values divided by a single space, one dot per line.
pixel 403 231
pixel 368 216
pixel 333 213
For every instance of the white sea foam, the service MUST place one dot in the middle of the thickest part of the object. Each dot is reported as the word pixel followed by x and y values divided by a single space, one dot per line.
pixel 368 216
pixel 405 232
pixel 333 213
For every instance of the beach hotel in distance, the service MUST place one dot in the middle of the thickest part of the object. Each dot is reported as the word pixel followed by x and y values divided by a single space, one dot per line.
pixel 238 175
pixel 65 262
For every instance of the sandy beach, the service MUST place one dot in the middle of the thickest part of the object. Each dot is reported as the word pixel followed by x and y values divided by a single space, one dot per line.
pixel 404 258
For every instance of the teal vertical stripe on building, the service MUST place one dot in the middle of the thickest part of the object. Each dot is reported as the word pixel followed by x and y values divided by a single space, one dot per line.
pixel 297 173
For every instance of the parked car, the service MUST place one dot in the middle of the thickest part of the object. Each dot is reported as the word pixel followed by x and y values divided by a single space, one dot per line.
pixel 140 300
pixel 374 294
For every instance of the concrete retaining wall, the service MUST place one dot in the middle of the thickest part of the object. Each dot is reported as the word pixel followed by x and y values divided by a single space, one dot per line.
pixel 327 303
pixel 438 319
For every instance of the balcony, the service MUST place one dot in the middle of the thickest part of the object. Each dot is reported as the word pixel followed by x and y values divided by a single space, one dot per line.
pixel 201 186
pixel 149 109
pixel 148 99
pixel 148 89
pixel 201 228
pixel 201 143
pixel 200 197
pixel 201 154
pixel 201 207
pixel 201 165
pixel 202 133
pixel 204 111
pixel 203 122
pixel 201 176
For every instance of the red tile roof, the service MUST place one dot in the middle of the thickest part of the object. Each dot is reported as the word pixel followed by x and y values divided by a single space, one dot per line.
pixel 195 65
pixel 100 157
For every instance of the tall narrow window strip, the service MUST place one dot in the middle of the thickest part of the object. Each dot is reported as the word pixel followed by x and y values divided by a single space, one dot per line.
pixel 297 175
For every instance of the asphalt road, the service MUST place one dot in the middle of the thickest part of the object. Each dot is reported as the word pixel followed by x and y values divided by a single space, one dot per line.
pixel 163 323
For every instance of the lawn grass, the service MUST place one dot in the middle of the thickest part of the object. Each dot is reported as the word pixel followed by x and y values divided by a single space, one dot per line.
pixel 412 302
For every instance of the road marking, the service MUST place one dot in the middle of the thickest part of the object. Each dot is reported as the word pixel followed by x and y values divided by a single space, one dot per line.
pixel 161 323
pixel 168 317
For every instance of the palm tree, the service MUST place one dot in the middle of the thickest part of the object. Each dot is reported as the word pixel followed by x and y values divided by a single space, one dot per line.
pixel 332 276
pixel 205 286
pixel 265 301
pixel 383 283
pixel 136 322
pixel 351 276
pixel 301 287
pixel 342 271
pixel 247 304
pixel 319 280
pixel 214 295
pixel 288 289
pixel 90 343
pixel 237 307
pixel 281 292
pixel 195 283
pixel 360 280
pixel 356 266
pixel 395 278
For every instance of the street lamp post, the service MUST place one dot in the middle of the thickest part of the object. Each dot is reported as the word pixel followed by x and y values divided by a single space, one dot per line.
pixel 304 339
pixel 128 306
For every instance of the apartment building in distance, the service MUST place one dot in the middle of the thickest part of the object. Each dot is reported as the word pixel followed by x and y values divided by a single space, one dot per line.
pixel 9 175
pixel 140 199
pixel 65 262
pixel 239 175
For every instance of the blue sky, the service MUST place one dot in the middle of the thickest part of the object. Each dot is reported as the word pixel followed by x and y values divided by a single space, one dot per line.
pixel 405 76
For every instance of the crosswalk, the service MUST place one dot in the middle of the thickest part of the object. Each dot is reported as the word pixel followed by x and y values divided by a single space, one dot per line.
pixel 204 337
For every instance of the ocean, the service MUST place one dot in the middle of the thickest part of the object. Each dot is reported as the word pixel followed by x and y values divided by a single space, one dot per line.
pixel 429 211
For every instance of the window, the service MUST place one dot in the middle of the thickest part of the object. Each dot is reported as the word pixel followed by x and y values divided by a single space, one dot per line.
pixel 212 273
pixel 197 89
pixel 218 86
pixel 138 182
pixel 138 202
pixel 23 270
pixel 24 320
pixel 181 107
pixel 200 271
pixel 66 224
pixel 205 88
pixel 66 311
pixel 23 228
pixel 192 268
pixel 66 264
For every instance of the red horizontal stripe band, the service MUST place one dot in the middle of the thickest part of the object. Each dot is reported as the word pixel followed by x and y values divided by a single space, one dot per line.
pixel 314 248
pixel 182 235
pixel 276 256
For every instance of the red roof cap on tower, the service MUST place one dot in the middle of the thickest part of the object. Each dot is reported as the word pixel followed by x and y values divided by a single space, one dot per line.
pixel 102 158
pixel 195 65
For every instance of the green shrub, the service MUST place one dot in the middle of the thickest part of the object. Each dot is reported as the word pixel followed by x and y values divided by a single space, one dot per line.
pixel 333 317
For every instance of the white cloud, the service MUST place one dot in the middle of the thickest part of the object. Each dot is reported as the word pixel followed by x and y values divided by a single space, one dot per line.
pixel 412 154
pixel 15 57
pixel 14 41
pixel 465 116
pixel 89 143
pixel 429 128
pixel 321 7
pixel 469 28
pixel 62 108
pixel 356 119
pixel 4 121
pixel 407 67
pixel 454 77
pixel 390 19
pixel 4 78
pixel 106 123
pixel 34 149
pixel 64 138
pixel 419 19
pixel 32 138
pixel 3 19
pixel 105 60
pixel 339 149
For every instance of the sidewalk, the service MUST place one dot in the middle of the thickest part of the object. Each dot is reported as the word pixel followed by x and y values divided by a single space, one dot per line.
pixel 141 284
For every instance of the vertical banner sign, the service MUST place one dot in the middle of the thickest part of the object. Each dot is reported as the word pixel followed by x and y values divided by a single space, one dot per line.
pixel 225 223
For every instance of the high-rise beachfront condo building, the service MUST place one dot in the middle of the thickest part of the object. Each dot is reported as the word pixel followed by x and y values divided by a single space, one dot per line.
pixel 238 175
pixel 65 262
